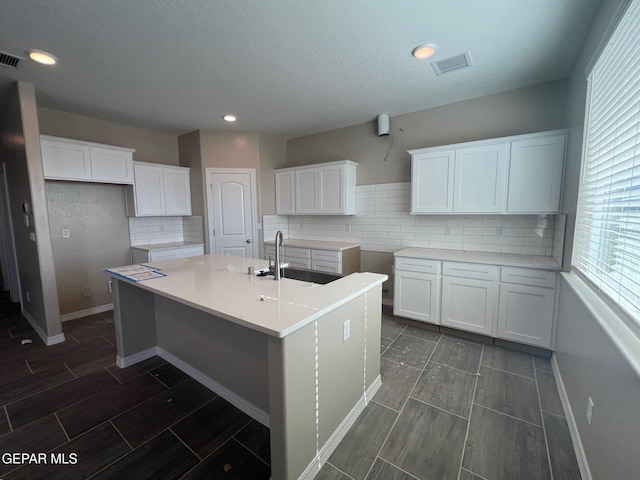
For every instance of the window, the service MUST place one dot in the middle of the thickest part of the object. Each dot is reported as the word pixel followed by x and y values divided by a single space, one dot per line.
pixel 607 239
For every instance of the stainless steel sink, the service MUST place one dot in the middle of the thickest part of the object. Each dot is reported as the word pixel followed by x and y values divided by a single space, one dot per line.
pixel 312 276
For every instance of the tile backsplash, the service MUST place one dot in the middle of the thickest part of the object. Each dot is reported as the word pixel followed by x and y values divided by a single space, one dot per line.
pixel 382 223
pixel 153 230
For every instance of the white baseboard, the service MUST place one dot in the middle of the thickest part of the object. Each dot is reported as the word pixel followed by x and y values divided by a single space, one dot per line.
pixel 231 397
pixel 387 301
pixel 325 452
pixel 571 422
pixel 124 362
pixel 65 317
pixel 48 341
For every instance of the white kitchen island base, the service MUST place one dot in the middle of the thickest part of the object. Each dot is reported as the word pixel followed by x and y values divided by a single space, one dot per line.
pixel 305 380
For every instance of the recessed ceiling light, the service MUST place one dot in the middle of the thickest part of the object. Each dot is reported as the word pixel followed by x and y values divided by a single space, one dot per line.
pixel 42 57
pixel 423 51
pixel 229 118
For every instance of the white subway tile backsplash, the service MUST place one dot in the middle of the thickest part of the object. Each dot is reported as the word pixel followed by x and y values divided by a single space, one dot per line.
pixel 383 224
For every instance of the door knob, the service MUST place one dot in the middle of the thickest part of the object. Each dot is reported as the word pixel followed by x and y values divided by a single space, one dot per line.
pixel 248 240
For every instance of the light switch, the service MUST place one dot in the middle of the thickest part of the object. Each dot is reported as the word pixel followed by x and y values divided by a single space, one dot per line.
pixel 66 233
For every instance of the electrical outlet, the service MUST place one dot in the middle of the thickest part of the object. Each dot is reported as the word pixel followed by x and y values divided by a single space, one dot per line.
pixel 66 233
pixel 500 232
pixel 346 330
pixel 110 286
pixel 447 230
pixel 589 410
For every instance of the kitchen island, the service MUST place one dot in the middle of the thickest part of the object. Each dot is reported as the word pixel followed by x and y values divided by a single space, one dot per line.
pixel 301 358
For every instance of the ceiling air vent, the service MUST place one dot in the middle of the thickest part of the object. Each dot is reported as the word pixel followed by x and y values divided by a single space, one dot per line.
pixel 8 60
pixel 452 64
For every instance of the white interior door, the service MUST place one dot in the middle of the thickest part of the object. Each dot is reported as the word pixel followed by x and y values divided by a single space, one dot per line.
pixel 232 211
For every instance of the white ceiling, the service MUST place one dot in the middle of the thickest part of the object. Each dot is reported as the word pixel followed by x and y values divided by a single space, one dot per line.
pixel 285 67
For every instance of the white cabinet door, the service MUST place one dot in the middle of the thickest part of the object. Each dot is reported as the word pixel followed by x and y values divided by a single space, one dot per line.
pixel 526 314
pixel 285 200
pixel 468 304
pixel 177 191
pixel 306 191
pixel 149 190
pixel 417 296
pixel 480 179
pixel 432 176
pixel 535 174
pixel 331 189
pixel 65 161
pixel 111 165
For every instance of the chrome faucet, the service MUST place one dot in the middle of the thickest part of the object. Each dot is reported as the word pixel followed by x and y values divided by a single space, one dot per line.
pixel 279 243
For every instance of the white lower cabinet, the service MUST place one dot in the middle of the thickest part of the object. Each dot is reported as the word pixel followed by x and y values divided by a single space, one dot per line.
pixel 526 311
pixel 417 295
pixel 518 305
pixel 469 304
pixel 143 256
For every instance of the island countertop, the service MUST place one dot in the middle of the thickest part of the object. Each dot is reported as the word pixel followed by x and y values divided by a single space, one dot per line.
pixel 219 284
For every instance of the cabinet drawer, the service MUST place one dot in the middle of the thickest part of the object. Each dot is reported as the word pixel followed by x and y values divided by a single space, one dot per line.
pixel 326 255
pixel 295 262
pixel 528 276
pixel 297 252
pixel 423 265
pixel 324 266
pixel 470 270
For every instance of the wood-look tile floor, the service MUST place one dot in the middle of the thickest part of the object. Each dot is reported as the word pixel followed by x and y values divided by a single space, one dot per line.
pixel 448 409
pixel 454 409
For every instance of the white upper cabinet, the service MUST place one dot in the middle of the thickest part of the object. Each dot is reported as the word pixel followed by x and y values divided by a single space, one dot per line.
pixel 479 179
pixel 285 201
pixel 535 174
pixel 520 174
pixel 320 189
pixel 75 160
pixel 159 190
pixel 433 172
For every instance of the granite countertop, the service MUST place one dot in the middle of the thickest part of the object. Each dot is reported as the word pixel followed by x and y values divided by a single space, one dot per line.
pixel 165 246
pixel 502 259
pixel 219 284
pixel 319 244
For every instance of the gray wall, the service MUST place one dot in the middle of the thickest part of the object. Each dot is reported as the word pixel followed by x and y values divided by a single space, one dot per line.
pixel 20 150
pixel 204 149
pixel 589 363
pixel 94 212
pixel 525 110
pixel 96 216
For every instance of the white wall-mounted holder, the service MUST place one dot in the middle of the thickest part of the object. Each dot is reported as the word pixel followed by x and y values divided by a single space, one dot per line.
pixel 383 125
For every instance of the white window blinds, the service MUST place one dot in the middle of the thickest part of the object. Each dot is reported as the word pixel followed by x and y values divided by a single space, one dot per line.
pixel 607 237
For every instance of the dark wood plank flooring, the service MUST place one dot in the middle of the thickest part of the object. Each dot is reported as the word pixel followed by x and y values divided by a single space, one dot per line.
pixel 146 421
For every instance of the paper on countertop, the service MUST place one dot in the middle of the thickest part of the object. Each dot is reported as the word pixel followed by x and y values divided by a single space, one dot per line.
pixel 136 273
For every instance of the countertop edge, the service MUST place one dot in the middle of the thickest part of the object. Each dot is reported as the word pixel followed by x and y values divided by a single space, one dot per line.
pixel 487 258
pixel 165 246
